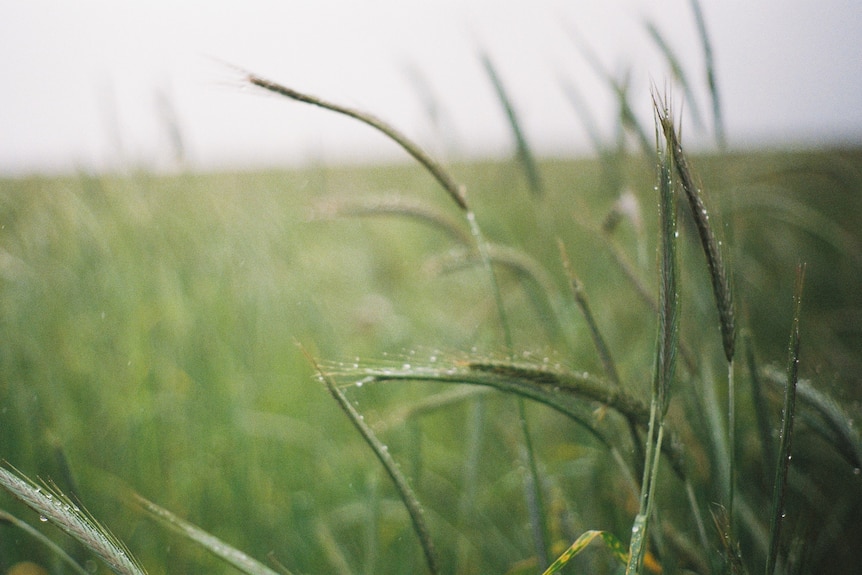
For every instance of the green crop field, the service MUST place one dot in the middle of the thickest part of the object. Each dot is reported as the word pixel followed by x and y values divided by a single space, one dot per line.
pixel 175 336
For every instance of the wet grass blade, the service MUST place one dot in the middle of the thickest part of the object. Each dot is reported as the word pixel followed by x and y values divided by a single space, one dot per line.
pixel 408 497
pixel 712 247
pixel 53 506
pixel 666 347
pixel 525 154
pixel 210 543
pixel 782 468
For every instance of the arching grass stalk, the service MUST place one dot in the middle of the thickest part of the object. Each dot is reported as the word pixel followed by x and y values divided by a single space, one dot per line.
pixel 53 506
pixel 456 191
pixel 666 351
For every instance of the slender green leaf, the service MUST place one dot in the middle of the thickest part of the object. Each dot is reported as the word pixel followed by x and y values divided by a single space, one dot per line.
pixel 782 468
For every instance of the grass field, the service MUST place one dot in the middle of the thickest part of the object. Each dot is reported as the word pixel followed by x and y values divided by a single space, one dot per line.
pixel 151 332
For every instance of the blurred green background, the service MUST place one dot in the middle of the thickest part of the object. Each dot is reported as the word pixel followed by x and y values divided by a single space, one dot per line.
pixel 149 329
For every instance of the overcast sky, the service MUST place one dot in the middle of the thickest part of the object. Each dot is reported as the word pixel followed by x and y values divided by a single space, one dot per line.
pixel 91 85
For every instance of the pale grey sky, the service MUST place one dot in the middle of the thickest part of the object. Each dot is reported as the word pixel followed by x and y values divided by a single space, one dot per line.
pixel 88 84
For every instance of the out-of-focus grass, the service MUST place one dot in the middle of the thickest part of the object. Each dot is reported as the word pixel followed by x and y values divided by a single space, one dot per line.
pixel 149 328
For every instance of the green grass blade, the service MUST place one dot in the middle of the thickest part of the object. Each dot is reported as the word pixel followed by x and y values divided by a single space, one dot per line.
pixel 669 301
pixel 525 154
pixel 35 534
pixel 782 467
pixel 666 344
pixel 614 545
pixel 210 543
pixel 709 62
pixel 55 507
pixel 408 497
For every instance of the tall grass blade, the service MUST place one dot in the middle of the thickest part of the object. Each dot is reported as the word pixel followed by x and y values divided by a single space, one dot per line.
pixel 53 506
pixel 455 190
pixel 712 247
pixel 212 544
pixel 668 288
pixel 35 534
pixel 608 363
pixel 411 502
pixel 580 296
pixel 709 62
pixel 666 347
pixel 525 154
pixel 788 414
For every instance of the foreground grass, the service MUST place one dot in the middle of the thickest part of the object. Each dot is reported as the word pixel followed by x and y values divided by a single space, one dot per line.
pixel 150 328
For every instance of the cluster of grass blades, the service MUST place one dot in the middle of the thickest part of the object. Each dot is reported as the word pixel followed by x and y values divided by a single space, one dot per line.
pixel 633 453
